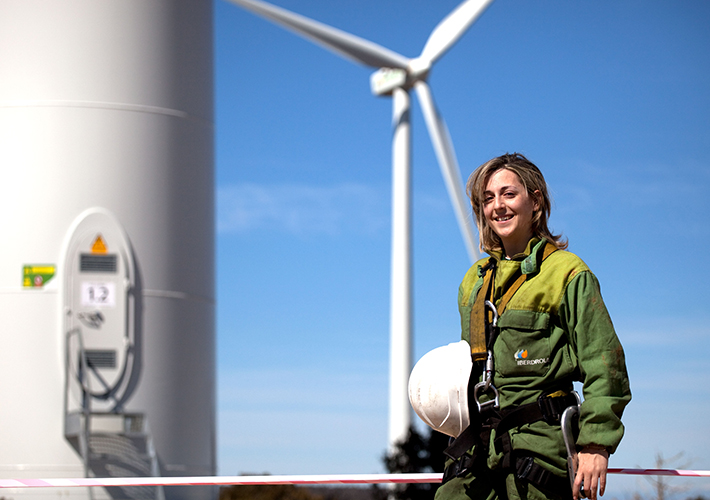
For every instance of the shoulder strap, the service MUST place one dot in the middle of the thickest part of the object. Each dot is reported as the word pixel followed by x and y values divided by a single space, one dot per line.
pixel 477 330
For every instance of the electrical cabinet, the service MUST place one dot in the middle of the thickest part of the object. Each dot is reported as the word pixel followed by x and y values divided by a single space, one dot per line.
pixel 99 308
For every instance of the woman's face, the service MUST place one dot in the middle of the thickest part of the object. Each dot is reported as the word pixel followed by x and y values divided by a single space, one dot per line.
pixel 508 209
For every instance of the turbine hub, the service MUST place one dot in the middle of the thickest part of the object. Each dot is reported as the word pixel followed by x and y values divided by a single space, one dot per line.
pixel 419 69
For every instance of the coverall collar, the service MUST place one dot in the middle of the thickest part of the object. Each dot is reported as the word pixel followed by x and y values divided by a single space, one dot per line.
pixel 531 257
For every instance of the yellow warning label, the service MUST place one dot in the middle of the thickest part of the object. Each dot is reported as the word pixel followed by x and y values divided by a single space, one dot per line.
pixel 36 276
pixel 99 246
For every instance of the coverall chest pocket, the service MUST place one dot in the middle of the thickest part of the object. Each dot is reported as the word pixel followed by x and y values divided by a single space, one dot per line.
pixel 523 344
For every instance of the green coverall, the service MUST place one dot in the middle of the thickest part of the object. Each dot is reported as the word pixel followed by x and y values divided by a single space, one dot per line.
pixel 555 329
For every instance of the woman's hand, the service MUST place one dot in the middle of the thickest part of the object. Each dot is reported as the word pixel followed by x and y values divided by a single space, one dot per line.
pixel 591 470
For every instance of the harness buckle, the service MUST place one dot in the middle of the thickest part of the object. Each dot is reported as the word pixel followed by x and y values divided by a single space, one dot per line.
pixel 552 407
pixel 523 467
pixel 481 388
pixel 458 468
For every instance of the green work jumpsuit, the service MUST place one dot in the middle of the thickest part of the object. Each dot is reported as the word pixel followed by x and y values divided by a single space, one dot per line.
pixel 554 330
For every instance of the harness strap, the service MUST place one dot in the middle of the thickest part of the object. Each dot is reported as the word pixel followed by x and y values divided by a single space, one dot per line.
pixel 476 442
pixel 464 442
pixel 477 330
pixel 527 470
pixel 548 409
pixel 476 436
pixel 461 467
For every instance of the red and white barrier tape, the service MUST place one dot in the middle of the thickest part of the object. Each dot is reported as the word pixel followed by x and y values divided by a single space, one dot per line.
pixel 265 480
pixel 661 472
pixel 222 480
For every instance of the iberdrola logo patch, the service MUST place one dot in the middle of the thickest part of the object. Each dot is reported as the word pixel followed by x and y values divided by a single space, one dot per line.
pixel 521 358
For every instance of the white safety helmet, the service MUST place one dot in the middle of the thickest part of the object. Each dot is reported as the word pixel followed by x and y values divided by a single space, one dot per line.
pixel 438 388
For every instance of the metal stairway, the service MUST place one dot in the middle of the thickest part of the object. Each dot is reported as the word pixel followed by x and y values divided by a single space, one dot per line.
pixel 111 443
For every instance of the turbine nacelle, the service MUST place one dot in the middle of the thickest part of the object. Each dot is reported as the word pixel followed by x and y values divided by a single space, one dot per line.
pixel 385 80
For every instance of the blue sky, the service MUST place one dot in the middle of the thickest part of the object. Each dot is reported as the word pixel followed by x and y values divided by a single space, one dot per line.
pixel 610 99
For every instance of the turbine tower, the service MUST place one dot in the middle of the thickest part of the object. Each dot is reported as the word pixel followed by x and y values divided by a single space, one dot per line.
pixel 107 296
pixel 396 76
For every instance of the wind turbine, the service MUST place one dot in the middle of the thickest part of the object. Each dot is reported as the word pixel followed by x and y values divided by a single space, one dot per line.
pixel 396 76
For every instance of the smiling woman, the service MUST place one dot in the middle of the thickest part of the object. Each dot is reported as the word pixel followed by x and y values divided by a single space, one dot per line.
pixel 534 318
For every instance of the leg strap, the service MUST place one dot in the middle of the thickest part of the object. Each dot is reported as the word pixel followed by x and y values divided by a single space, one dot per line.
pixel 527 470
pixel 466 440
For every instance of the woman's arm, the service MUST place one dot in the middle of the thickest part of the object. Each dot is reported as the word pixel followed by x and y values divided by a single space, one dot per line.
pixel 602 367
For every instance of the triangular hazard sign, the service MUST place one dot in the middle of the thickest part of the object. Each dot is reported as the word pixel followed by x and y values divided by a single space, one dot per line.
pixel 99 246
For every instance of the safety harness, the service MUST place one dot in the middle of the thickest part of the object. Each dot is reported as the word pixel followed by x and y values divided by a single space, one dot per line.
pixel 470 450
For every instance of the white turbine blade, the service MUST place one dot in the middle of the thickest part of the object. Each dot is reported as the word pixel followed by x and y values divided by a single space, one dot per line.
pixel 444 149
pixel 335 40
pixel 450 29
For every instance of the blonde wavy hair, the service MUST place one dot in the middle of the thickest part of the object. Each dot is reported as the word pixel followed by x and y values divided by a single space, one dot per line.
pixel 534 183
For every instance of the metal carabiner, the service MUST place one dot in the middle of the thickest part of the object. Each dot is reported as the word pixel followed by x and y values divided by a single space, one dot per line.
pixel 482 388
pixel 569 418
pixel 486 382
pixel 485 385
pixel 487 375
pixel 494 311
